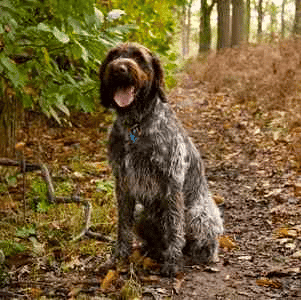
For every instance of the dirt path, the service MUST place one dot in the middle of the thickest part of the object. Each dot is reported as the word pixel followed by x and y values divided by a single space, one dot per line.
pixel 243 167
pixel 249 169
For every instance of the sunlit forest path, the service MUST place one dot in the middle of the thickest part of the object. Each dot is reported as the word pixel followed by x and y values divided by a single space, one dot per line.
pixel 250 156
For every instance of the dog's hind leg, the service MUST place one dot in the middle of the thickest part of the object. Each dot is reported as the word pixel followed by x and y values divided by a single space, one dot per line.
pixel 203 225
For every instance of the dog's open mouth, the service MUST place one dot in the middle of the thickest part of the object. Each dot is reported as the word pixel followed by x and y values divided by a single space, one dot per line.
pixel 124 96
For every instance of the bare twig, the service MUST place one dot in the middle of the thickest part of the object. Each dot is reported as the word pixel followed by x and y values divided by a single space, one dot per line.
pixel 26 167
pixel 14 163
pixel 87 210
pixel 11 295
pixel 50 189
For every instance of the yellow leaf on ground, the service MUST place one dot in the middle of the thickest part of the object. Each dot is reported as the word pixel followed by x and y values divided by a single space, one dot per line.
pixel 263 281
pixel 284 232
pixel 226 242
pixel 218 199
pixel 109 279
pixel 136 257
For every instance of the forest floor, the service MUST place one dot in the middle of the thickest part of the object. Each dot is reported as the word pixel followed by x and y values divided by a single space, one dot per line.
pixel 252 153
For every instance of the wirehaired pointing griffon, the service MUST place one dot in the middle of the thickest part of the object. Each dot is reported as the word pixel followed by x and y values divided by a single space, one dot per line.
pixel 156 166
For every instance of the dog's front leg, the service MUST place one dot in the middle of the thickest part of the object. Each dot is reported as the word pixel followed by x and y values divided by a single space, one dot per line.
pixel 126 205
pixel 174 236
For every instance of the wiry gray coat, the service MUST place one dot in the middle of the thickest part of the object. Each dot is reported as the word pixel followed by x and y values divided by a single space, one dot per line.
pixel 161 170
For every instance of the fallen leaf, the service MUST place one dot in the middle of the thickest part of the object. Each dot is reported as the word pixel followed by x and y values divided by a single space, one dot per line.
pixel 211 269
pixel 109 279
pixel 291 246
pixel 177 283
pixel 136 257
pixel 150 279
pixel 226 242
pixel 36 293
pixel 245 257
pixel 218 199
pixel 20 146
pixel 284 232
pixel 75 291
pixel 149 264
pixel 263 281
pixel 297 254
pixel 297 189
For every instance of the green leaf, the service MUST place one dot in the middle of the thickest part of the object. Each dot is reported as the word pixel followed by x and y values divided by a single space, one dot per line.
pixel 27 100
pixel 76 26
pixel 61 36
pixel 12 72
pixel 60 104
pixel 53 114
pixel 44 27
pixel 25 232
pixel 46 56
pixel 43 205
pixel 99 17
pixel 76 50
pixel 10 247
pixel 84 52
pixel 11 181
pixel 87 104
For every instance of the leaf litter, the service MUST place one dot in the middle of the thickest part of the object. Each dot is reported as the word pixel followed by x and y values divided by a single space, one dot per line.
pixel 242 108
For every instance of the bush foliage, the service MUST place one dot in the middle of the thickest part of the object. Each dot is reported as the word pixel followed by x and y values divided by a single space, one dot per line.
pixel 50 51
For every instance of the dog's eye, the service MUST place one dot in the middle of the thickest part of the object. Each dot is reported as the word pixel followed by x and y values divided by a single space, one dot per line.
pixel 139 57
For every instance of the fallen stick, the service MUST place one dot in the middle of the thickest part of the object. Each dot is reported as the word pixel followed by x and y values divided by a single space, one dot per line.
pixel 29 167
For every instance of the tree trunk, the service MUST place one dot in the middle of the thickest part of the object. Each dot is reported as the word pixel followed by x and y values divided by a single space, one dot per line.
pixel 205 26
pixel 184 31
pixel 223 24
pixel 248 20
pixel 297 26
pixel 273 21
pixel 260 18
pixel 10 110
pixel 188 27
pixel 237 22
pixel 283 18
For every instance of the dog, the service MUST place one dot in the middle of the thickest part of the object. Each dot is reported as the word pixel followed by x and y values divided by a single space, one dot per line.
pixel 156 166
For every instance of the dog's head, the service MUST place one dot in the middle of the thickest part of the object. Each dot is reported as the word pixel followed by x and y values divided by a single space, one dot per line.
pixel 130 76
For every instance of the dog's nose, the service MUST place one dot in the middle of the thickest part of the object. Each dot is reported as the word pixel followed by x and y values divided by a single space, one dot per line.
pixel 122 69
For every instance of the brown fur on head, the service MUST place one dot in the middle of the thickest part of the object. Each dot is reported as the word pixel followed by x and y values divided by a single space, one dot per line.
pixel 130 75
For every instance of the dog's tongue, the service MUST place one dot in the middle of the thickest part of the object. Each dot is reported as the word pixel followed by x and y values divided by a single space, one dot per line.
pixel 124 96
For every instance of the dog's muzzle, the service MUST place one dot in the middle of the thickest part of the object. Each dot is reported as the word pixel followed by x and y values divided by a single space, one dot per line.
pixel 126 77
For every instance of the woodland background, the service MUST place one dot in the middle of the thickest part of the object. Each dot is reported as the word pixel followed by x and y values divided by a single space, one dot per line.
pixel 234 67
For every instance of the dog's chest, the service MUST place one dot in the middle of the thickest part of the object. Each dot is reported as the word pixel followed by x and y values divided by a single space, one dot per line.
pixel 131 155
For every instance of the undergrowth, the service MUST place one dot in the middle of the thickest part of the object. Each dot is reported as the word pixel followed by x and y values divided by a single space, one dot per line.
pixel 265 78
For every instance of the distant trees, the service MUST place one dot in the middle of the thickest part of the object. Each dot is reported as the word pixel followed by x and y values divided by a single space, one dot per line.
pixel 223 24
pixel 234 21
pixel 297 25
pixel 225 36
pixel 259 9
pixel 205 25
pixel 238 28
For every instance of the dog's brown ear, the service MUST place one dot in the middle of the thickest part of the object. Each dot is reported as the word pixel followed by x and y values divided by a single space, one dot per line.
pixel 159 77
pixel 104 97
pixel 158 71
